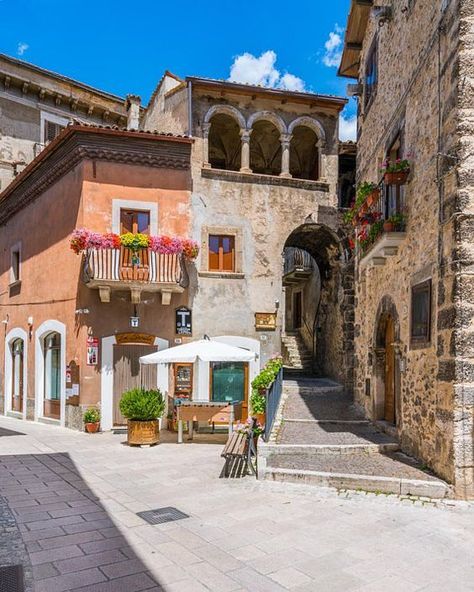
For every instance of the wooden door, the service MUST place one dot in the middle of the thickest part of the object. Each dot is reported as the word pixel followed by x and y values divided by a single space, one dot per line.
pixel 129 374
pixel 390 414
pixel 17 376
pixel 297 310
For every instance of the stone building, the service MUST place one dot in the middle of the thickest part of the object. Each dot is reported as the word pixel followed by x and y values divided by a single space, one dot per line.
pixel 35 105
pixel 251 174
pixel 413 67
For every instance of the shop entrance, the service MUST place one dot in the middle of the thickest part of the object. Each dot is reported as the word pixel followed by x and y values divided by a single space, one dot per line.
pixel 128 374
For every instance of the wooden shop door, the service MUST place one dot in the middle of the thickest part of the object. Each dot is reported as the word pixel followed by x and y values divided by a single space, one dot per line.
pixel 129 374
pixel 390 414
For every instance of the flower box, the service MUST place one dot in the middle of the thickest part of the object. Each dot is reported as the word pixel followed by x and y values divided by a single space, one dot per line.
pixel 396 178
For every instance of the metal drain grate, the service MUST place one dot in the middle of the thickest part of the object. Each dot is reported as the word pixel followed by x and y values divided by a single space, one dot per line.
pixel 162 515
pixel 11 578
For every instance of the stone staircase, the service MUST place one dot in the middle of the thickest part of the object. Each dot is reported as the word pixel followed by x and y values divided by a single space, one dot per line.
pixel 321 438
pixel 296 355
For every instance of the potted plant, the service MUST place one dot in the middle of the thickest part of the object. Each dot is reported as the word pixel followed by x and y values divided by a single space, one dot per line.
pixel 258 403
pixel 91 420
pixel 394 223
pixel 142 408
pixel 395 172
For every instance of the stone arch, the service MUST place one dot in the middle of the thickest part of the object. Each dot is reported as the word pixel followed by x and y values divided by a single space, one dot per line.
pixel 267 116
pixel 306 121
pixel 225 110
pixel 385 362
pixel 326 299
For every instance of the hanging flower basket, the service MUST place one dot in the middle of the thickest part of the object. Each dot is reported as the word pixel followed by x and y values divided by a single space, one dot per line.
pixel 396 178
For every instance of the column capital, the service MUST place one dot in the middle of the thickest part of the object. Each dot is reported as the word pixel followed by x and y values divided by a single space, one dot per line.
pixel 245 134
pixel 205 129
pixel 286 138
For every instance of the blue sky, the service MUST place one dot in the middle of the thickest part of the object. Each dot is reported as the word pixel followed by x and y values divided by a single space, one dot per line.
pixel 124 47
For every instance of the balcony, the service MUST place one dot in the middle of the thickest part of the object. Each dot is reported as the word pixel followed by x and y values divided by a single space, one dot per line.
pixel 119 269
pixel 381 225
pixel 298 266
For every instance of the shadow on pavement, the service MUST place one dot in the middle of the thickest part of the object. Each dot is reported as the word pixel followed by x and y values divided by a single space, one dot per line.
pixel 71 541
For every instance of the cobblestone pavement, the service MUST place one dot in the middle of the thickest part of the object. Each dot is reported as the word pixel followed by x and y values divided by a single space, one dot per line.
pixel 75 498
pixel 331 434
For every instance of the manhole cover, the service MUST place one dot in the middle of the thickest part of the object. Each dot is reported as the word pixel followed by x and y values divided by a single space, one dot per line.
pixel 11 578
pixel 161 515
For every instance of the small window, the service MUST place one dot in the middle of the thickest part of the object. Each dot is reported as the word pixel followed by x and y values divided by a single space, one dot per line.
pixel 421 313
pixel 134 221
pixel 221 252
pixel 15 265
pixel 371 75
pixel 51 130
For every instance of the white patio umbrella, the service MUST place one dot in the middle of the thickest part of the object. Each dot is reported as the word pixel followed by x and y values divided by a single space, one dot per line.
pixel 203 349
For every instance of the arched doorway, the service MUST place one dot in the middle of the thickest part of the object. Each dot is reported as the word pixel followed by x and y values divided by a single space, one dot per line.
pixel 17 385
pixel 318 303
pixel 386 372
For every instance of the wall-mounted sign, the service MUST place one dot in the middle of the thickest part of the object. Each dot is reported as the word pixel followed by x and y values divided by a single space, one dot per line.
pixel 141 338
pixel 92 351
pixel 184 322
pixel 265 321
pixel 134 322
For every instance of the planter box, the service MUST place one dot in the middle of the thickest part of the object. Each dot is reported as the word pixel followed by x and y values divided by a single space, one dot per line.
pixel 398 178
pixel 143 433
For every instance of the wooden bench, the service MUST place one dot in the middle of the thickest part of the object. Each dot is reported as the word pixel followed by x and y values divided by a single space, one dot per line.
pixel 240 447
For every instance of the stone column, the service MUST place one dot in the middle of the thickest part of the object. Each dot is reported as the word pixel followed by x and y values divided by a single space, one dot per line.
pixel 285 140
pixel 321 145
pixel 245 154
pixel 205 145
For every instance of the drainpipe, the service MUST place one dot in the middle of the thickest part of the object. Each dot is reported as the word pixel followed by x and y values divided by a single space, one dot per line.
pixel 190 109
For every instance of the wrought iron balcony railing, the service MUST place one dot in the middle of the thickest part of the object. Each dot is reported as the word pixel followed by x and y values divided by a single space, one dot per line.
pixel 144 271
pixel 298 265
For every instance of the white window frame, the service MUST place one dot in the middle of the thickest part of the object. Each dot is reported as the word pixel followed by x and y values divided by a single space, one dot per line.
pixel 130 204
pixel 16 248
pixel 52 118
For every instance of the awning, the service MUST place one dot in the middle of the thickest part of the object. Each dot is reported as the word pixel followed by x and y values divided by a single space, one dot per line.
pixel 204 349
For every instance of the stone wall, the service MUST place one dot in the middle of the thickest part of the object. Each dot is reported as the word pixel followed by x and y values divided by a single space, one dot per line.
pixel 416 98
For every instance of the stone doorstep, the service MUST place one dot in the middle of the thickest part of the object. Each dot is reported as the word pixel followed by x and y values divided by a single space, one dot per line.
pixel 430 489
pixel 335 421
pixel 268 449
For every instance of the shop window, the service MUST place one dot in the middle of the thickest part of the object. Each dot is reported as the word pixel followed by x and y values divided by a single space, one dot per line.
pixel 228 381
pixel 52 366
pixel 371 75
pixel 420 332
pixel 134 221
pixel 221 252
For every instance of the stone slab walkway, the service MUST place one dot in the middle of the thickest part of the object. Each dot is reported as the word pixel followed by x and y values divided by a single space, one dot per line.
pixel 331 434
pixel 75 499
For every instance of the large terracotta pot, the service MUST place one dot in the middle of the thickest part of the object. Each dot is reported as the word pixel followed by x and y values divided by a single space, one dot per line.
pixel 143 432
pixel 92 428
pixel 388 226
pixel 398 178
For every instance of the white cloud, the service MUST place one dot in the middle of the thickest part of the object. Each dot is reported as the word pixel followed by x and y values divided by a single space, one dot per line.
pixel 250 69
pixel 348 128
pixel 22 47
pixel 333 48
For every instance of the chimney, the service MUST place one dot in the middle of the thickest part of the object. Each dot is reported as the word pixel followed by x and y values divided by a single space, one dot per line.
pixel 132 105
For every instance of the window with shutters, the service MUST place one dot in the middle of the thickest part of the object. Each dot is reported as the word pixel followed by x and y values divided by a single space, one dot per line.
pixel 420 333
pixel 221 252
pixel 134 221
pixel 371 75
pixel 51 131
pixel 15 264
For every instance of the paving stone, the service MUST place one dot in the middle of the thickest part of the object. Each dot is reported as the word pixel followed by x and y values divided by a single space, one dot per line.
pixel 289 577
pixel 104 545
pixel 55 554
pixel 44 570
pixel 124 568
pixel 65 583
pixel 133 583
pixel 87 561
pixel 71 539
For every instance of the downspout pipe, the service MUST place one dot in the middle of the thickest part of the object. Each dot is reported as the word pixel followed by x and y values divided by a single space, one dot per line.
pixel 190 109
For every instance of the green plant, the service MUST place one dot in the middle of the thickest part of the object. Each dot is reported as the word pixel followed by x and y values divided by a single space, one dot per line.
pixel 375 231
pixel 91 415
pixel 400 165
pixel 363 191
pixel 398 220
pixel 258 402
pixel 140 404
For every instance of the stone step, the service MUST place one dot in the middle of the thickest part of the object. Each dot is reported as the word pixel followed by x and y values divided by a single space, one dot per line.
pixel 392 472
pixel 313 450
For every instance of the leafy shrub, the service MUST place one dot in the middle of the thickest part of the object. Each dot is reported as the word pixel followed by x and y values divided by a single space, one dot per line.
pixel 91 415
pixel 142 405
pixel 262 382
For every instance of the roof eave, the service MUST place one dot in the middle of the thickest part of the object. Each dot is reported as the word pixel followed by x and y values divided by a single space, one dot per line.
pixel 357 21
